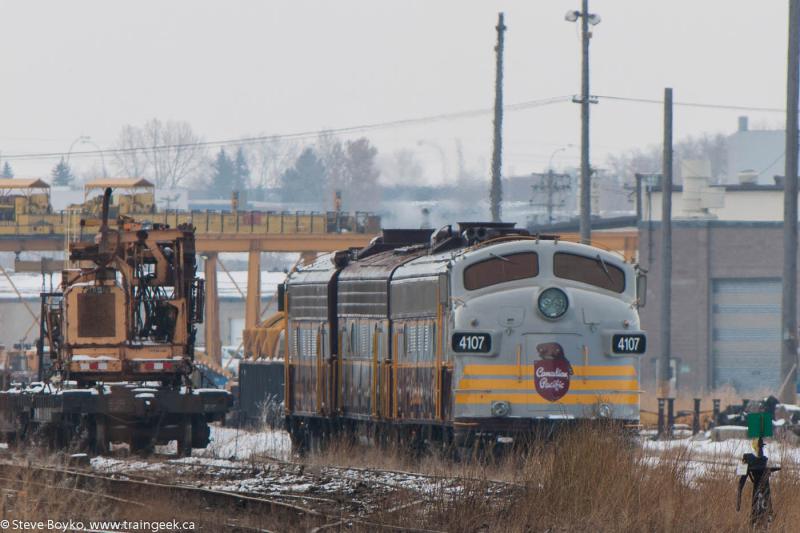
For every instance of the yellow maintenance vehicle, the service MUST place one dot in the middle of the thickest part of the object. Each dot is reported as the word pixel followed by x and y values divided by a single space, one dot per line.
pixel 120 334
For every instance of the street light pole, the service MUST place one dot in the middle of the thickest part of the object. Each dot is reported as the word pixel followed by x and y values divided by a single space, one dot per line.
pixel 88 140
pixel 442 155
pixel 550 162
pixel 80 139
pixel 585 99
pixel 85 139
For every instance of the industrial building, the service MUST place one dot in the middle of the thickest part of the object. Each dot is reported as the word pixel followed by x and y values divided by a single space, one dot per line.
pixel 727 249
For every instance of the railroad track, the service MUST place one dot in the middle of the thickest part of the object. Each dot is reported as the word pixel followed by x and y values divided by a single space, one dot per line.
pixel 410 474
pixel 134 490
pixel 139 491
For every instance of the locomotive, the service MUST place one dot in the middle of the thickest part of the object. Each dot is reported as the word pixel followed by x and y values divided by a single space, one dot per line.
pixel 474 330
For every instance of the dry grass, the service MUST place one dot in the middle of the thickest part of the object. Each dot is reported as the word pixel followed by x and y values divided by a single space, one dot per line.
pixel 585 479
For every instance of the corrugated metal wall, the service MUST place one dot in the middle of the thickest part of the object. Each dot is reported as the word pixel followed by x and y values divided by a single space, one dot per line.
pixel 746 333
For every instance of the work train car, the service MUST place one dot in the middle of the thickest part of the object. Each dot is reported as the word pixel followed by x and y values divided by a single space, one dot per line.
pixel 477 329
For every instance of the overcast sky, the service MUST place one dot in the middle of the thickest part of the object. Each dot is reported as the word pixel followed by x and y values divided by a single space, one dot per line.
pixel 235 68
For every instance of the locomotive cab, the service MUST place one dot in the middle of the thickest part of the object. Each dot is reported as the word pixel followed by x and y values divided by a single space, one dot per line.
pixel 544 330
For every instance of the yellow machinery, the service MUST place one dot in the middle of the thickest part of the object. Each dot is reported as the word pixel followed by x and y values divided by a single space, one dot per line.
pixel 120 335
pixel 25 202
pixel 129 311
pixel 265 341
pixel 25 212
pixel 18 365
pixel 132 196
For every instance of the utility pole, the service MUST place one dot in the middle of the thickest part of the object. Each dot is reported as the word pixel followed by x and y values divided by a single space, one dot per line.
pixel 788 393
pixel 666 251
pixel 585 99
pixel 551 184
pixel 496 191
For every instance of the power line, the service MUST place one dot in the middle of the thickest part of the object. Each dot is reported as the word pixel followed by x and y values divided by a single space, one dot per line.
pixel 295 136
pixel 528 104
pixel 693 104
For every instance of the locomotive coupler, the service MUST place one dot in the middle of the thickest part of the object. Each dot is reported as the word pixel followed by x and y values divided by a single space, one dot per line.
pixel 755 468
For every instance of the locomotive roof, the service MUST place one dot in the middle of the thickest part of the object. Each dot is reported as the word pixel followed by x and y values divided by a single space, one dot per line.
pixel 418 261
pixel 320 271
pixel 433 264
pixel 382 264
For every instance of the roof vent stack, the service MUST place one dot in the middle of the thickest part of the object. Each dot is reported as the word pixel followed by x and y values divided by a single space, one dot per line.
pixel 697 196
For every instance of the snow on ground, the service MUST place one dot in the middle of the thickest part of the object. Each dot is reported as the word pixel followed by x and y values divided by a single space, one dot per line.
pixel 233 443
pixel 227 449
pixel 727 451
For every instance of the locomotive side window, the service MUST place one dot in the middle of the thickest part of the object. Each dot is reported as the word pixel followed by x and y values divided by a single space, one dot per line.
pixel 500 269
pixel 592 270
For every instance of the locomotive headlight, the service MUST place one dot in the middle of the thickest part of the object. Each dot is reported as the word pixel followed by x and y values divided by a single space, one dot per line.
pixel 553 303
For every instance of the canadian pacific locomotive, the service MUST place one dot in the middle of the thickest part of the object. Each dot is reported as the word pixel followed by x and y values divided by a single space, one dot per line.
pixel 475 329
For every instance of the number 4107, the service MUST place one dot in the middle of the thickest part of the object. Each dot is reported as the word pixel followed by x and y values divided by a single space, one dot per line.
pixel 472 343
pixel 628 344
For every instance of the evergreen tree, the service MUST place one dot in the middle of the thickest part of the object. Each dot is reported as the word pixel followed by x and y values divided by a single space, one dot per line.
pixel 362 175
pixel 305 181
pixel 7 172
pixel 62 174
pixel 223 176
pixel 241 172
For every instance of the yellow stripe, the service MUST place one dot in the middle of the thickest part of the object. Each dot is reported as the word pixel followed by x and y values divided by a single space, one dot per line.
pixel 528 384
pixel 534 398
pixel 578 370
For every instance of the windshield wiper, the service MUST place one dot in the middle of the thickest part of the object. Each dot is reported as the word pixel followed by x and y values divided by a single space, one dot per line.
pixel 501 258
pixel 605 268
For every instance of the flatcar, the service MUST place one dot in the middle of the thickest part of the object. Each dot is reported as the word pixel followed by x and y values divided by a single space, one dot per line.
pixel 474 330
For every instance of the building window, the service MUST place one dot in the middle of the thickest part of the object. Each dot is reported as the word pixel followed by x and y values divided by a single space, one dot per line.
pixel 500 269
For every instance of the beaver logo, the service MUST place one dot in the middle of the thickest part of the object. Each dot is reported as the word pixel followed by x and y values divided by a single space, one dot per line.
pixel 552 373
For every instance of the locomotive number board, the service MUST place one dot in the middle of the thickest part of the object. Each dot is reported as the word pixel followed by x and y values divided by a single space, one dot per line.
pixel 635 343
pixel 472 342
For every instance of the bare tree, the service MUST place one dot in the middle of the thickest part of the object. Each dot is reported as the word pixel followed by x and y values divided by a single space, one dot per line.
pixel 400 168
pixel 269 159
pixel 130 159
pixel 648 160
pixel 165 152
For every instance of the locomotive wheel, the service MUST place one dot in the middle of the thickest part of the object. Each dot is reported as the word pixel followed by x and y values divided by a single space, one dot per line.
pixel 296 435
pixel 142 445
pixel 99 440
pixel 201 432
pixel 313 437
pixel 185 439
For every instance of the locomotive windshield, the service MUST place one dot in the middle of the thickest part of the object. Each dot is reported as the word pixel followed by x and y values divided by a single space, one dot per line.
pixel 592 270
pixel 500 269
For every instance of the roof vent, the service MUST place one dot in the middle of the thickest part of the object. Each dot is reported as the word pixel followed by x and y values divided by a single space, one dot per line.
pixel 748 177
pixel 698 197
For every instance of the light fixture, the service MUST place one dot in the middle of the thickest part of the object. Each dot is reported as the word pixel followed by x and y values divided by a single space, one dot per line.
pixel 553 303
pixel 594 20
pixel 572 16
